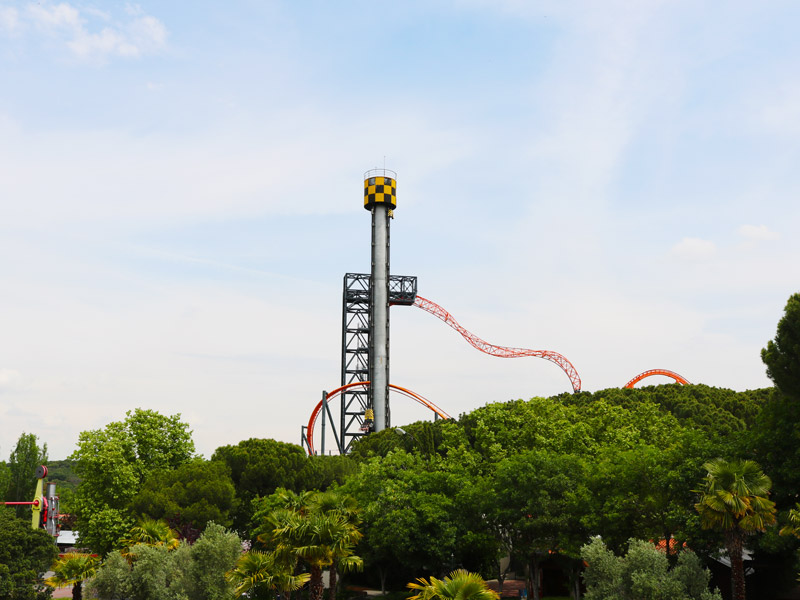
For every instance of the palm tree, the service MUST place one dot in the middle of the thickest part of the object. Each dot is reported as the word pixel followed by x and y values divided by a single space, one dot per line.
pixel 261 570
pixel 333 502
pixel 318 539
pixel 152 532
pixel 793 527
pixel 460 584
pixel 73 569
pixel 734 499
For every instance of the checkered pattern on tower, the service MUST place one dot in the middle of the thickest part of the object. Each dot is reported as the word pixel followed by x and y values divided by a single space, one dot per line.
pixel 380 190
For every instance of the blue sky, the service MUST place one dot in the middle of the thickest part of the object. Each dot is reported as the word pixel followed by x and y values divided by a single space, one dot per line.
pixel 180 197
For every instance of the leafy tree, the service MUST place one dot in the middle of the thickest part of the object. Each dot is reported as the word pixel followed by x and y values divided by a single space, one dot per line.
pixel 260 574
pixel 114 462
pixel 25 554
pixel 782 355
pixel 413 510
pixel 643 573
pixel 259 466
pixel 540 499
pixel 73 569
pixel 459 585
pixel 22 464
pixel 5 479
pixel 193 495
pixel 155 573
pixel 734 499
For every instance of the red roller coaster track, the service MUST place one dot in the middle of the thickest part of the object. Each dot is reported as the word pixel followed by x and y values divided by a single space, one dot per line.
pixel 501 351
pixel 318 408
pixel 641 376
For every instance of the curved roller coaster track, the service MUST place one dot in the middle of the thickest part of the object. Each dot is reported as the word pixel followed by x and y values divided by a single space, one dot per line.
pixel 651 372
pixel 485 347
pixel 500 351
pixel 331 395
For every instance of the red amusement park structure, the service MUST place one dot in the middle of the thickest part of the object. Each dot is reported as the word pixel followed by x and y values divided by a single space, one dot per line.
pixel 651 372
pixel 500 351
pixel 363 395
pixel 309 438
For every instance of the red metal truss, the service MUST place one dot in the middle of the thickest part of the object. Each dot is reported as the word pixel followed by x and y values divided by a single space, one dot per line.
pixel 641 376
pixel 501 351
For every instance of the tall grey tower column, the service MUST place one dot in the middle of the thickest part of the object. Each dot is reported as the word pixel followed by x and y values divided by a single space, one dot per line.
pixel 380 198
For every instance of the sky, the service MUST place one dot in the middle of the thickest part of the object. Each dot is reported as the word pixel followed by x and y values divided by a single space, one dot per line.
pixel 181 194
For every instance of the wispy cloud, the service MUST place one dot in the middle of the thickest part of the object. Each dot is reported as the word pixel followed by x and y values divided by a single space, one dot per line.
pixel 9 19
pixel 90 35
pixel 758 233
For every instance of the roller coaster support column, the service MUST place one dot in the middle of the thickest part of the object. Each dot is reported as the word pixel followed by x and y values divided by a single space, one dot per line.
pixel 380 198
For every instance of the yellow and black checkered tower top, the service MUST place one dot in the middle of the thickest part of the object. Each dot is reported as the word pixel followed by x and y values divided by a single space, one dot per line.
pixel 380 187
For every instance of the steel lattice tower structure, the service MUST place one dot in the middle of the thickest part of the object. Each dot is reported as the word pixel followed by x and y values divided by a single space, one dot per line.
pixel 365 319
pixel 356 324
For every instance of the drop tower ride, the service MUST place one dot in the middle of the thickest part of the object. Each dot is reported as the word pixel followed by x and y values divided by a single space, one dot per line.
pixel 380 197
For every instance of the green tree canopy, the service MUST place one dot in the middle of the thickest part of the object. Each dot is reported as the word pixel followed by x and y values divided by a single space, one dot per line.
pixel 643 573
pixel 114 462
pixel 260 466
pixel 782 355
pixel 22 464
pixel 156 573
pixel 190 496
pixel 25 554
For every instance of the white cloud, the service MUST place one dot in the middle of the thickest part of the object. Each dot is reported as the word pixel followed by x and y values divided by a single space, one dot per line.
pixel 9 19
pixel 79 30
pixel 758 233
pixel 690 248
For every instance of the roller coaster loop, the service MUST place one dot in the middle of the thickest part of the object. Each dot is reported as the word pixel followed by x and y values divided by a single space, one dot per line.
pixel 501 351
pixel 641 376
pixel 313 419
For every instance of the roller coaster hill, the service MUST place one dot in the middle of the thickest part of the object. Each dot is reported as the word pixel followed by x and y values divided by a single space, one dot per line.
pixel 363 392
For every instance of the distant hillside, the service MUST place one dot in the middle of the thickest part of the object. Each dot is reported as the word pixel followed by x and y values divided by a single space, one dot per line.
pixel 61 472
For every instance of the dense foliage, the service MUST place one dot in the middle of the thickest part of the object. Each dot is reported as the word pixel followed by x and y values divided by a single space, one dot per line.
pixel 530 480
pixel 643 572
pixel 114 462
pixel 154 572
pixel 25 458
pixel 25 554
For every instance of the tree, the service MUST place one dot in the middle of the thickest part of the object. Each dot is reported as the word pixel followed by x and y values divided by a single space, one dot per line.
pixel 413 510
pixel 643 573
pixel 793 526
pixel 22 464
pixel 334 502
pixel 734 499
pixel 155 573
pixel 459 585
pixel 316 538
pixel 114 462
pixel 258 572
pixel 782 355
pixel 73 569
pixel 152 532
pixel 190 496
pixel 260 466
pixel 25 554
pixel 540 500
